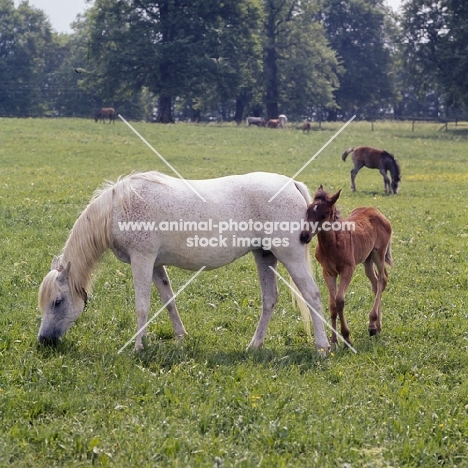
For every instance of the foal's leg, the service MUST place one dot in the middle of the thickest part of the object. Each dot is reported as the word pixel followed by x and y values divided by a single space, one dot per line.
pixel 264 260
pixel 345 280
pixel 163 284
pixel 357 167
pixel 375 316
pixel 142 270
pixel 331 285
pixel 387 186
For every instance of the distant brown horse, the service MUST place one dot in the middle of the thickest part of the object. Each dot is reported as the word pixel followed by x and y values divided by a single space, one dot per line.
pixel 363 237
pixel 306 127
pixel 375 159
pixel 103 113
pixel 273 123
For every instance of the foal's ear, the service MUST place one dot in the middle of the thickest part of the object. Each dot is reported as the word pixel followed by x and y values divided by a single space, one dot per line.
pixel 335 197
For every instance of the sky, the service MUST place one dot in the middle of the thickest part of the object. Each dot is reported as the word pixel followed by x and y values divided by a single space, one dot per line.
pixel 62 12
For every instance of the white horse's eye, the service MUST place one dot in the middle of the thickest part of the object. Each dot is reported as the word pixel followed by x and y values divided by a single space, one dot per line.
pixel 57 302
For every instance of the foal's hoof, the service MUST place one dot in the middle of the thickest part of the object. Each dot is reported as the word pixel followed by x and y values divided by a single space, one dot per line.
pixel 373 332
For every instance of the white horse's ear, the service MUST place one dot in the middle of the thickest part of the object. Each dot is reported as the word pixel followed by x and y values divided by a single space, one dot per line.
pixel 64 273
pixel 55 263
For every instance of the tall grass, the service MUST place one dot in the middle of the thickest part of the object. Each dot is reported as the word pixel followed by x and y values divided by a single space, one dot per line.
pixel 402 400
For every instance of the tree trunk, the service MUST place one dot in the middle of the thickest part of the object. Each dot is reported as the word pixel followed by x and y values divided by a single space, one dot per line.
pixel 271 75
pixel 239 112
pixel 239 109
pixel 164 110
pixel 332 115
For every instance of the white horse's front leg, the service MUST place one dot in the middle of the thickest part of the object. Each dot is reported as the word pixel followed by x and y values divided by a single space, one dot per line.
pixel 267 277
pixel 142 269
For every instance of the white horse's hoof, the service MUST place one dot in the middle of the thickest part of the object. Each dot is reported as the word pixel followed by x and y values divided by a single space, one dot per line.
pixel 323 352
pixel 254 345
pixel 181 336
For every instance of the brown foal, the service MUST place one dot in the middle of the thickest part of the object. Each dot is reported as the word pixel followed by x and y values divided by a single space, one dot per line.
pixel 363 237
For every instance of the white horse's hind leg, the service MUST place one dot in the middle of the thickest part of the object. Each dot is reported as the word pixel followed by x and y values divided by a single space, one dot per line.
pixel 163 284
pixel 264 260
pixel 305 283
pixel 142 269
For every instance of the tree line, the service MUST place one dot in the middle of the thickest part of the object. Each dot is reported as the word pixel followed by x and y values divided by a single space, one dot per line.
pixel 224 60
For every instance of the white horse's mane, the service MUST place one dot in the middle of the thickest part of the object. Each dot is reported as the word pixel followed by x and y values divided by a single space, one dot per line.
pixel 124 183
pixel 90 236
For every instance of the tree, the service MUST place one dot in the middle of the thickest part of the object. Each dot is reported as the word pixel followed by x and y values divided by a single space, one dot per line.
pixel 309 69
pixel 435 48
pixel 299 67
pixel 25 40
pixel 175 48
pixel 357 31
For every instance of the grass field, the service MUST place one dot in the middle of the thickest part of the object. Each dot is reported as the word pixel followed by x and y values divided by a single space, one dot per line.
pixel 401 401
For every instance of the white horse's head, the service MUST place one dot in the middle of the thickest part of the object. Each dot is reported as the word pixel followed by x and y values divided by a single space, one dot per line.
pixel 59 303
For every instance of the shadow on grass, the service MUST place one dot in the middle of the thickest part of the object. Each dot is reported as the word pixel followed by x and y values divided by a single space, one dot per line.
pixel 63 346
pixel 167 354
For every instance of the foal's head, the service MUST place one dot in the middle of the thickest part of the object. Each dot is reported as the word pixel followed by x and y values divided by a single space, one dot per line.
pixel 321 210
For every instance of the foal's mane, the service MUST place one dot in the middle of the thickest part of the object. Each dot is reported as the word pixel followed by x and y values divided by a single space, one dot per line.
pixel 393 165
pixel 325 197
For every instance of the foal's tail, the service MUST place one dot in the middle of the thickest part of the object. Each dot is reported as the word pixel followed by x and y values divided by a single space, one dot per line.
pixel 345 154
pixel 388 255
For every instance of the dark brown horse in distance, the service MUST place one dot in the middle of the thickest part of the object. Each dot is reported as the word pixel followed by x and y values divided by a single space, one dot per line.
pixel 105 112
pixel 375 159
pixel 363 237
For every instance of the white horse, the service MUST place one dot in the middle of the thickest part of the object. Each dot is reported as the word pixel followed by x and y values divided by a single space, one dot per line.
pixel 258 121
pixel 282 119
pixel 155 198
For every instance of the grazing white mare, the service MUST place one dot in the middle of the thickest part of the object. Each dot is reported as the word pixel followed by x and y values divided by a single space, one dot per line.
pixel 154 197
pixel 282 119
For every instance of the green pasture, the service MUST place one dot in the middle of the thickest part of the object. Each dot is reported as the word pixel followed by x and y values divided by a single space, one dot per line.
pixel 401 401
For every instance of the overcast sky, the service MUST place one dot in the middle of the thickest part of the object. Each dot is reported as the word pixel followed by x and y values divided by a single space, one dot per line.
pixel 62 12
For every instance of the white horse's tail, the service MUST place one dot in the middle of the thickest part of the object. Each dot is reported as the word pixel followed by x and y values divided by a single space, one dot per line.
pixel 298 300
pixel 296 296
